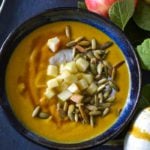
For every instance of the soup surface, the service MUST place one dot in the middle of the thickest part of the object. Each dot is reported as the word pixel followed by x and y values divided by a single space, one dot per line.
pixel 21 70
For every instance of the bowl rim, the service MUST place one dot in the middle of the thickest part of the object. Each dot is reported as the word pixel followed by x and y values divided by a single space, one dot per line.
pixel 38 139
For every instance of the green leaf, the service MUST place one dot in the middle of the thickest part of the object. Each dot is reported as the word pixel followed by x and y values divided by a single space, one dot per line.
pixel 121 11
pixel 144 100
pixel 142 15
pixel 144 54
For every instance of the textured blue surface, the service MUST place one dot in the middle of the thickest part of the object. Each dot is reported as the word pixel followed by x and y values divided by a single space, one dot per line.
pixel 13 14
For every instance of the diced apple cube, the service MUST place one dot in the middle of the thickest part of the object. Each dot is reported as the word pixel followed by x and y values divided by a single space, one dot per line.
pixel 59 79
pixel 53 44
pixel 64 95
pixel 52 70
pixel 92 89
pixel 82 84
pixel 80 75
pixel 63 86
pixel 49 93
pixel 82 64
pixel 52 83
pixel 73 88
pixel 71 79
pixel 71 66
pixel 88 78
pixel 62 68
pixel 77 98
pixel 65 74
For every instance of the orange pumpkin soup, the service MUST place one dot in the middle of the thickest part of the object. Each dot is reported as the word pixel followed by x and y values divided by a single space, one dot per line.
pixel 26 79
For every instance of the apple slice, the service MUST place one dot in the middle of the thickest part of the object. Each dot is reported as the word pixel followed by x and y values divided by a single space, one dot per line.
pixel 73 88
pixel 92 89
pixel 52 70
pixel 52 83
pixel 64 95
pixel 77 98
pixel 49 93
pixel 82 84
pixel 82 64
pixel 53 44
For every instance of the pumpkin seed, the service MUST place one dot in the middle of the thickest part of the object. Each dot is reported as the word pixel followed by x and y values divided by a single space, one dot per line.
pixel 100 97
pixel 95 113
pixel 105 71
pixel 76 117
pixel 90 55
pixel 107 93
pixel 106 63
pixel 88 48
pixel 113 74
pixel 119 64
pixel 93 68
pixel 78 39
pixel 43 115
pixel 106 45
pixel 98 76
pixel 97 54
pixel 106 111
pixel 105 54
pixel 100 68
pixel 91 107
pixel 105 105
pixel 101 87
pixel 73 52
pixel 100 101
pixel 101 108
pixel 113 85
pixel 65 107
pixel 36 111
pixel 102 81
pixel 79 104
pixel 92 121
pixel 80 48
pixel 71 109
pixel 68 32
pixel 111 99
pixel 93 43
pixel 71 44
pixel 83 114
pixel 93 60
pixel 84 43
pixel 96 100
pixel 100 52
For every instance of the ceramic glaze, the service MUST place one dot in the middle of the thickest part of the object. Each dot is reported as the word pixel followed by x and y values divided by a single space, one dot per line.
pixel 139 135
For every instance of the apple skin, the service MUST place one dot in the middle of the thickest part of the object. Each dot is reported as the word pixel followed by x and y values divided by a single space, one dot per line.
pixel 101 7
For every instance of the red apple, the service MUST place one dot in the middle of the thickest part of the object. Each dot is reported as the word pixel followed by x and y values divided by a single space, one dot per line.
pixel 100 6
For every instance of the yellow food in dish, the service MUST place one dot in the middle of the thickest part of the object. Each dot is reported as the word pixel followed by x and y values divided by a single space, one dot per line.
pixel 26 82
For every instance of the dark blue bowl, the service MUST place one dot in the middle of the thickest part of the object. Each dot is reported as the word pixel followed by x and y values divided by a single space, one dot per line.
pixel 73 14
